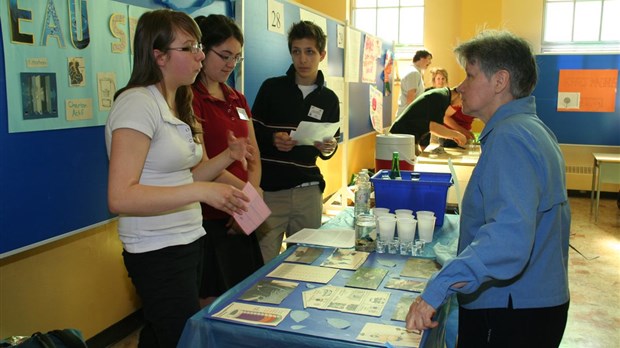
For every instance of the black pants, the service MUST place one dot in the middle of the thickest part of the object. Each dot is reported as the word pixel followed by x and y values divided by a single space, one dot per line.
pixel 167 282
pixel 508 327
pixel 228 258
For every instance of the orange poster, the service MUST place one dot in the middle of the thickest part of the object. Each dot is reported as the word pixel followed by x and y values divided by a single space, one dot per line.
pixel 587 90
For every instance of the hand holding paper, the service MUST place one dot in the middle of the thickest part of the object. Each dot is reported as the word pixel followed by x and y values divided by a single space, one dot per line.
pixel 327 146
pixel 309 132
pixel 283 141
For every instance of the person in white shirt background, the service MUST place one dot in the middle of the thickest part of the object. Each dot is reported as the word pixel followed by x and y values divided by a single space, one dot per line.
pixel 412 84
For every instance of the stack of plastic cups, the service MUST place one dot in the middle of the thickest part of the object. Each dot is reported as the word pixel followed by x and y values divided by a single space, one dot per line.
pixel 378 211
pixel 406 225
pixel 404 212
pixel 386 226
pixel 426 225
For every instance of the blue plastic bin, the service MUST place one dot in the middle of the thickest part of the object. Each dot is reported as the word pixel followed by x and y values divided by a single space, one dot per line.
pixel 430 192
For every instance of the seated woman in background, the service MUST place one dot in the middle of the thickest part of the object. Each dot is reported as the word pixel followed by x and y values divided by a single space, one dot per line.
pixel 439 78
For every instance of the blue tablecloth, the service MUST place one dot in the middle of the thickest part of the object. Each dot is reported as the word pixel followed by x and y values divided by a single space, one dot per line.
pixel 203 330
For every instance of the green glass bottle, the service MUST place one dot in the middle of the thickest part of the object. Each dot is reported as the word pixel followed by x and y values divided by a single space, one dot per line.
pixel 395 172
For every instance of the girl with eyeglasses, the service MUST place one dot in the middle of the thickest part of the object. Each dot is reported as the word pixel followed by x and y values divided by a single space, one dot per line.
pixel 229 255
pixel 157 177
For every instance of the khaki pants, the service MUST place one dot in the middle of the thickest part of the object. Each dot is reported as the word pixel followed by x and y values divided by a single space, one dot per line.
pixel 291 211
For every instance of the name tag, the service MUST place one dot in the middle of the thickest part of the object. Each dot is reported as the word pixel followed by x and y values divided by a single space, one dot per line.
pixel 315 112
pixel 242 114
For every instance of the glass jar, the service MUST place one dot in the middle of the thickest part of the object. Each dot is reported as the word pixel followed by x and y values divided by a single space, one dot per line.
pixel 365 225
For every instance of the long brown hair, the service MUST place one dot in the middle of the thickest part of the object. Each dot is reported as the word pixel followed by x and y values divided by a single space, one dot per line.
pixel 155 30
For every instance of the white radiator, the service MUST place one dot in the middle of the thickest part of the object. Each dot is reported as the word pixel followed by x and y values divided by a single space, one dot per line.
pixel 579 164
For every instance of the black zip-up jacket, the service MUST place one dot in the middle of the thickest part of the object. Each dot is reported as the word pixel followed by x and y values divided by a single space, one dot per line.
pixel 280 107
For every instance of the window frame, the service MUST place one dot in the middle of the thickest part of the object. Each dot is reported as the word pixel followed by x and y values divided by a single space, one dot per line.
pixel 399 5
pixel 594 46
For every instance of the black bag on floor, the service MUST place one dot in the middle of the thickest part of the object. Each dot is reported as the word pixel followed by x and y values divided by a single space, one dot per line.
pixel 67 338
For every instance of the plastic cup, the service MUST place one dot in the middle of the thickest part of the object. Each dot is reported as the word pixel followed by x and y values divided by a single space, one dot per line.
pixel 403 212
pixel 390 215
pixel 394 246
pixel 426 226
pixel 406 248
pixel 424 212
pixel 418 248
pixel 380 211
pixel 381 245
pixel 386 226
pixel 406 228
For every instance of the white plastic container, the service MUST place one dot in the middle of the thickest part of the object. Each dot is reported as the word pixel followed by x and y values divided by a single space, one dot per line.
pixel 404 144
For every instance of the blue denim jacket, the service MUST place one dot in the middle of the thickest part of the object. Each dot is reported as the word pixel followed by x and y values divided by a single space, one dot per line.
pixel 515 219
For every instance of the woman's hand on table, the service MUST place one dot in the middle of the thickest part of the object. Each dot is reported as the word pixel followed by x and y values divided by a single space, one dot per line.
pixel 420 316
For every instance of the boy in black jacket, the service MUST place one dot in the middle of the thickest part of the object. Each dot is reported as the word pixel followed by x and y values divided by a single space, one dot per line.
pixel 293 184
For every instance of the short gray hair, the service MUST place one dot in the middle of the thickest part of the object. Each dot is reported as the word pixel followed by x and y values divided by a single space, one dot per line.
pixel 494 50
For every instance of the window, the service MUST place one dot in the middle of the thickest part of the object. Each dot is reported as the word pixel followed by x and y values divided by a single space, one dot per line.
pixel 581 25
pixel 397 20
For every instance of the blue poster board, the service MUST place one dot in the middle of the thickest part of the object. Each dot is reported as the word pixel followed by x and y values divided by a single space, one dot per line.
pixel 54 182
pixel 266 51
pixel 583 128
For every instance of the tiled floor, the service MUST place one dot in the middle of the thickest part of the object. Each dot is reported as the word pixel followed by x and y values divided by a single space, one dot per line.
pixel 594 314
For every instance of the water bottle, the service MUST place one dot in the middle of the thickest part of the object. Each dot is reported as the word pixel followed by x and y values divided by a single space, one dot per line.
pixel 395 172
pixel 362 195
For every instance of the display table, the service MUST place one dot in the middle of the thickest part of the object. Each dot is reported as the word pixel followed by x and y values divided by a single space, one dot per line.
pixel 460 156
pixel 204 330
pixel 606 168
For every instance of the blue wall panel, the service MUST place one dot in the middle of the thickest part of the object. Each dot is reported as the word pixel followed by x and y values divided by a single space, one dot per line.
pixel 587 128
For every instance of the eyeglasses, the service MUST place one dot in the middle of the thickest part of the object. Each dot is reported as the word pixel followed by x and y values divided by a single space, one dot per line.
pixel 194 48
pixel 228 59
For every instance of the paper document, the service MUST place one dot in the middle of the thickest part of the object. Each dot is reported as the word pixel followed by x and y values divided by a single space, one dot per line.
pixel 336 298
pixel 419 268
pixel 252 314
pixel 309 132
pixel 304 273
pixel 257 211
pixel 345 259
pixel 336 238
pixel 389 334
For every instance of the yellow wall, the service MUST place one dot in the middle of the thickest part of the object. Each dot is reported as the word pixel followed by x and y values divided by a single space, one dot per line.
pixel 449 22
pixel 77 282
pixel 81 282
pixel 441 27
pixel 336 9
pixel 360 154
pixel 524 18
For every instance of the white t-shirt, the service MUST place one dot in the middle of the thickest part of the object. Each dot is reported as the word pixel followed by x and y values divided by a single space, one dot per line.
pixel 171 156
pixel 305 90
pixel 412 80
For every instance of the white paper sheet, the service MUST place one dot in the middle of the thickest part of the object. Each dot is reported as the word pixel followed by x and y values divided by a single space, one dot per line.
pixel 309 132
pixel 353 55
pixel 337 238
pixel 253 314
pixel 303 273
